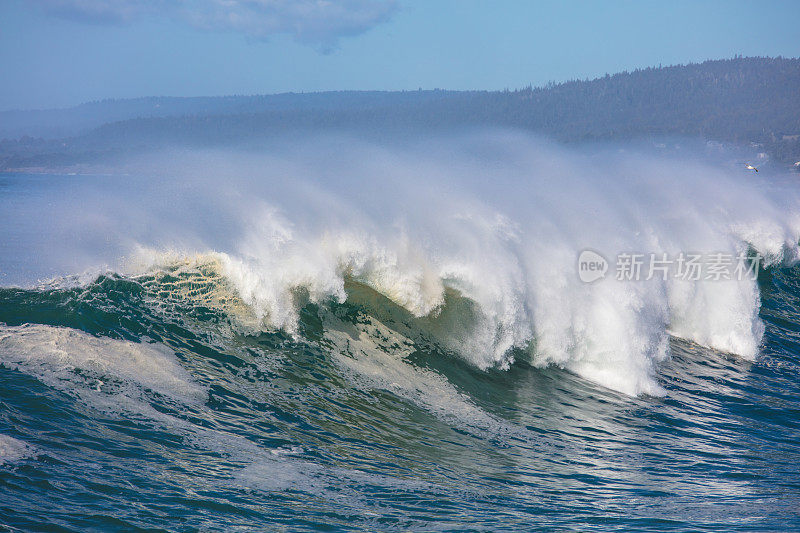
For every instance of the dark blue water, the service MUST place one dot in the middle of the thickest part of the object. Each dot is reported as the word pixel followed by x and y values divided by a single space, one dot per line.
pixel 128 403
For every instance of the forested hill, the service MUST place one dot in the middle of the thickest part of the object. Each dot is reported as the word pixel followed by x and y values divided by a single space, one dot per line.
pixel 741 100
pixel 72 121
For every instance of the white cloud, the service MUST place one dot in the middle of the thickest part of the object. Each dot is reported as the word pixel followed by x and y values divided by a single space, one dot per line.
pixel 316 22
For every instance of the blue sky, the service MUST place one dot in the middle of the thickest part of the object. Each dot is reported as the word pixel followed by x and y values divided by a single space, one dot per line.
pixel 63 52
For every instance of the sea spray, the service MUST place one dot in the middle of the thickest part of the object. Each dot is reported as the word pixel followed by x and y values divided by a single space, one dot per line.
pixel 495 219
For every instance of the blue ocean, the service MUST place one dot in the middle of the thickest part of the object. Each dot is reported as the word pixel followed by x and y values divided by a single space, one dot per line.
pixel 345 336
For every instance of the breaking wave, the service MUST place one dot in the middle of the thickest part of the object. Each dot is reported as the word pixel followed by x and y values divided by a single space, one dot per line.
pixel 470 245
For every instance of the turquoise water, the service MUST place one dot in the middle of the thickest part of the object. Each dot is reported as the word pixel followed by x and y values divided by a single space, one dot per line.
pixel 151 400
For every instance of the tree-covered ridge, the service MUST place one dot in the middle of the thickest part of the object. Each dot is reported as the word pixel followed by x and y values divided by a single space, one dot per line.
pixel 741 100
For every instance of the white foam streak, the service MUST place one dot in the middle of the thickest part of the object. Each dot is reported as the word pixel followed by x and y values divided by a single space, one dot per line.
pixel 54 354
pixel 13 450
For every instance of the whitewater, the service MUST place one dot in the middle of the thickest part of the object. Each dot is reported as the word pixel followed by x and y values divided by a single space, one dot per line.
pixel 394 335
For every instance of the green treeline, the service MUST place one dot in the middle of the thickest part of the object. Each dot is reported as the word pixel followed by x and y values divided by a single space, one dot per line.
pixel 741 100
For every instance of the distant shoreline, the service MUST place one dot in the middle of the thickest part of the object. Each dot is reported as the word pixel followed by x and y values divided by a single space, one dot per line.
pixel 741 101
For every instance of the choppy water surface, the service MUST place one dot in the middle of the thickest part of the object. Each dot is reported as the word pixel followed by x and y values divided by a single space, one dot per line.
pixel 226 391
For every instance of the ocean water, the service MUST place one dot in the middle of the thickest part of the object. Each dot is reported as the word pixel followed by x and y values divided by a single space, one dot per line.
pixel 392 338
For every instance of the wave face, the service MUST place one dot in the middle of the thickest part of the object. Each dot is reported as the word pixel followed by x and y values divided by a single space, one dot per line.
pixel 398 337
pixel 477 238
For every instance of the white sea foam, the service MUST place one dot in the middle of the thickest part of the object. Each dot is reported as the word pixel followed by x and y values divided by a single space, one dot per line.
pixel 13 450
pixel 54 354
